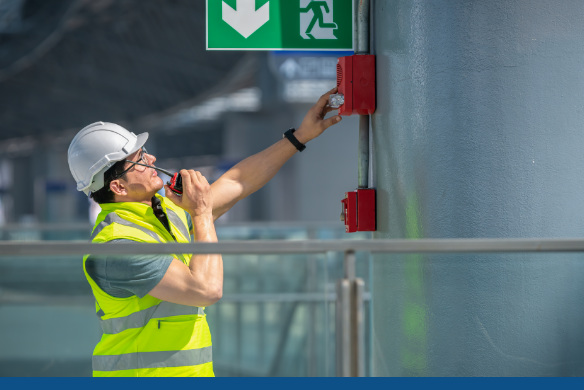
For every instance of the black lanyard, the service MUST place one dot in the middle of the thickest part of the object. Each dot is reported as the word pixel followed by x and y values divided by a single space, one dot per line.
pixel 159 213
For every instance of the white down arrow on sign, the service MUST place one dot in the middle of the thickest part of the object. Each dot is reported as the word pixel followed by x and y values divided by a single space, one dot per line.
pixel 246 20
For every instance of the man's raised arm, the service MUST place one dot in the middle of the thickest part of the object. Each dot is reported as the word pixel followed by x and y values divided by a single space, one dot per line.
pixel 254 172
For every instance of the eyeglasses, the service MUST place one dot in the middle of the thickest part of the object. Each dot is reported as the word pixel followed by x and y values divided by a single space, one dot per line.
pixel 136 164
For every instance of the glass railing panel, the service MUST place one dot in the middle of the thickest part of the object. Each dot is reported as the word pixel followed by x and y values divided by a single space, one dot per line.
pixel 45 232
pixel 48 325
pixel 276 317
pixel 477 314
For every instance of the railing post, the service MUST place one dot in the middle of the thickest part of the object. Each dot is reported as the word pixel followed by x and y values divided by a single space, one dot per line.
pixel 342 328
pixel 357 328
pixel 350 321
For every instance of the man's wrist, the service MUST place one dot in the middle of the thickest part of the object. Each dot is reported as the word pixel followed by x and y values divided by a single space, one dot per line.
pixel 200 215
pixel 299 145
pixel 301 136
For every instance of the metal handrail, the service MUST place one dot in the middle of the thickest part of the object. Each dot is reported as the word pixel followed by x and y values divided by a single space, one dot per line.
pixel 457 245
pixel 87 226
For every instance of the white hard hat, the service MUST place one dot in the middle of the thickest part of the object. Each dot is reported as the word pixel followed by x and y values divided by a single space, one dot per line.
pixel 96 148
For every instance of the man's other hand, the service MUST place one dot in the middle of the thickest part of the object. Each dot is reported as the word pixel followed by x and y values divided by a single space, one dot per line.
pixel 196 198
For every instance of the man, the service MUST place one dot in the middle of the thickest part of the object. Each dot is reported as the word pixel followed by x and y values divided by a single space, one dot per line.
pixel 151 308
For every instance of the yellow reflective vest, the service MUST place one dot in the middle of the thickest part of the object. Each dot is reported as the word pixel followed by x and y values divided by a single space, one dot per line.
pixel 147 336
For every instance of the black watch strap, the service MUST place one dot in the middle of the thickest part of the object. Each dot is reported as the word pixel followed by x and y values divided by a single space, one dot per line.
pixel 290 135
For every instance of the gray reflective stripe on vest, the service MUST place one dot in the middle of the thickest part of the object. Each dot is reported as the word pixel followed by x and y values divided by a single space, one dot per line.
pixel 178 223
pixel 140 318
pixel 137 360
pixel 115 218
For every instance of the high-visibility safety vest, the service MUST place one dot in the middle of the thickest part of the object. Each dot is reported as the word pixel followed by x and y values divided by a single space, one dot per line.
pixel 147 336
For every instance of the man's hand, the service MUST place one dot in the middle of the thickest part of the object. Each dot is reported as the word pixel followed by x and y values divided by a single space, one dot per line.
pixel 196 198
pixel 201 282
pixel 314 123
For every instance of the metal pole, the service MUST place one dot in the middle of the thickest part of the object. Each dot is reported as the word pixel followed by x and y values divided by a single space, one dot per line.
pixel 357 328
pixel 345 313
pixel 362 47
pixel 342 328
pixel 350 321
pixel 349 265
pixel 362 27
pixel 363 170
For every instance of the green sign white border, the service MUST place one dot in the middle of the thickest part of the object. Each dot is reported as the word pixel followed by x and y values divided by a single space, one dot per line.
pixel 352 49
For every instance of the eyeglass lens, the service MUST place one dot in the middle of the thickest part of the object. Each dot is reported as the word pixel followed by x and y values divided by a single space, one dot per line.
pixel 142 159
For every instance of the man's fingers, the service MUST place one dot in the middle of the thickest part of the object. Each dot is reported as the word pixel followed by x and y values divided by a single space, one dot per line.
pixel 202 178
pixel 171 195
pixel 330 121
pixel 328 109
pixel 321 103
pixel 196 178
pixel 186 177
pixel 199 178
pixel 325 97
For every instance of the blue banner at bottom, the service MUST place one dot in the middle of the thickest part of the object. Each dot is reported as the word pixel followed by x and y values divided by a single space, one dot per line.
pixel 287 383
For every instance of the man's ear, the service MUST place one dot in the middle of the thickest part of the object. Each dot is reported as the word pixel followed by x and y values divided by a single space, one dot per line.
pixel 117 187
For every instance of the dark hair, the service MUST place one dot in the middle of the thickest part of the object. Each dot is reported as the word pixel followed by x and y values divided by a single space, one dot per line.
pixel 104 194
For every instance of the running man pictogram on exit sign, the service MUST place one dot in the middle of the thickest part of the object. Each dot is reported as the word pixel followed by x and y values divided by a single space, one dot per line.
pixel 280 25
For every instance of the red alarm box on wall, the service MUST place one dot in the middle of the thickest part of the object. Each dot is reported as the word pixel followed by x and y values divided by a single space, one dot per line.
pixel 358 210
pixel 356 82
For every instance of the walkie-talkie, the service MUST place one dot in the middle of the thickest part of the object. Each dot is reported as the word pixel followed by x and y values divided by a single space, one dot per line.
pixel 175 183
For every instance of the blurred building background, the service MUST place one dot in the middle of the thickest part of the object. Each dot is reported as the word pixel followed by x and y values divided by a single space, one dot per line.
pixel 143 64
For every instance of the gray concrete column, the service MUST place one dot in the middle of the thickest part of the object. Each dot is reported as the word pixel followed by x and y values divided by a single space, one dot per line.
pixel 478 133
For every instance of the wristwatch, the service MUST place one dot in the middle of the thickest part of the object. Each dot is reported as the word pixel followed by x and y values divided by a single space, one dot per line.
pixel 290 135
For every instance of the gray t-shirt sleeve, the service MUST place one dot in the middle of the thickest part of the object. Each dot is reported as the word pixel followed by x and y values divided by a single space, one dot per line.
pixel 128 275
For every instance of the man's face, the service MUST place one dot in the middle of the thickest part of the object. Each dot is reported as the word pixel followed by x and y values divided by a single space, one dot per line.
pixel 141 183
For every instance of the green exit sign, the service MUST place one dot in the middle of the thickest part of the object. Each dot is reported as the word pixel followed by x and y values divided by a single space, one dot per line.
pixel 279 25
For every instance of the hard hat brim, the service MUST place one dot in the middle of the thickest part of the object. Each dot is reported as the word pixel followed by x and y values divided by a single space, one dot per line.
pixel 142 138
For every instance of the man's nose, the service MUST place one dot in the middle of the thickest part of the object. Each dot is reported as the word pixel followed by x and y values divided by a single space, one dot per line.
pixel 149 158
